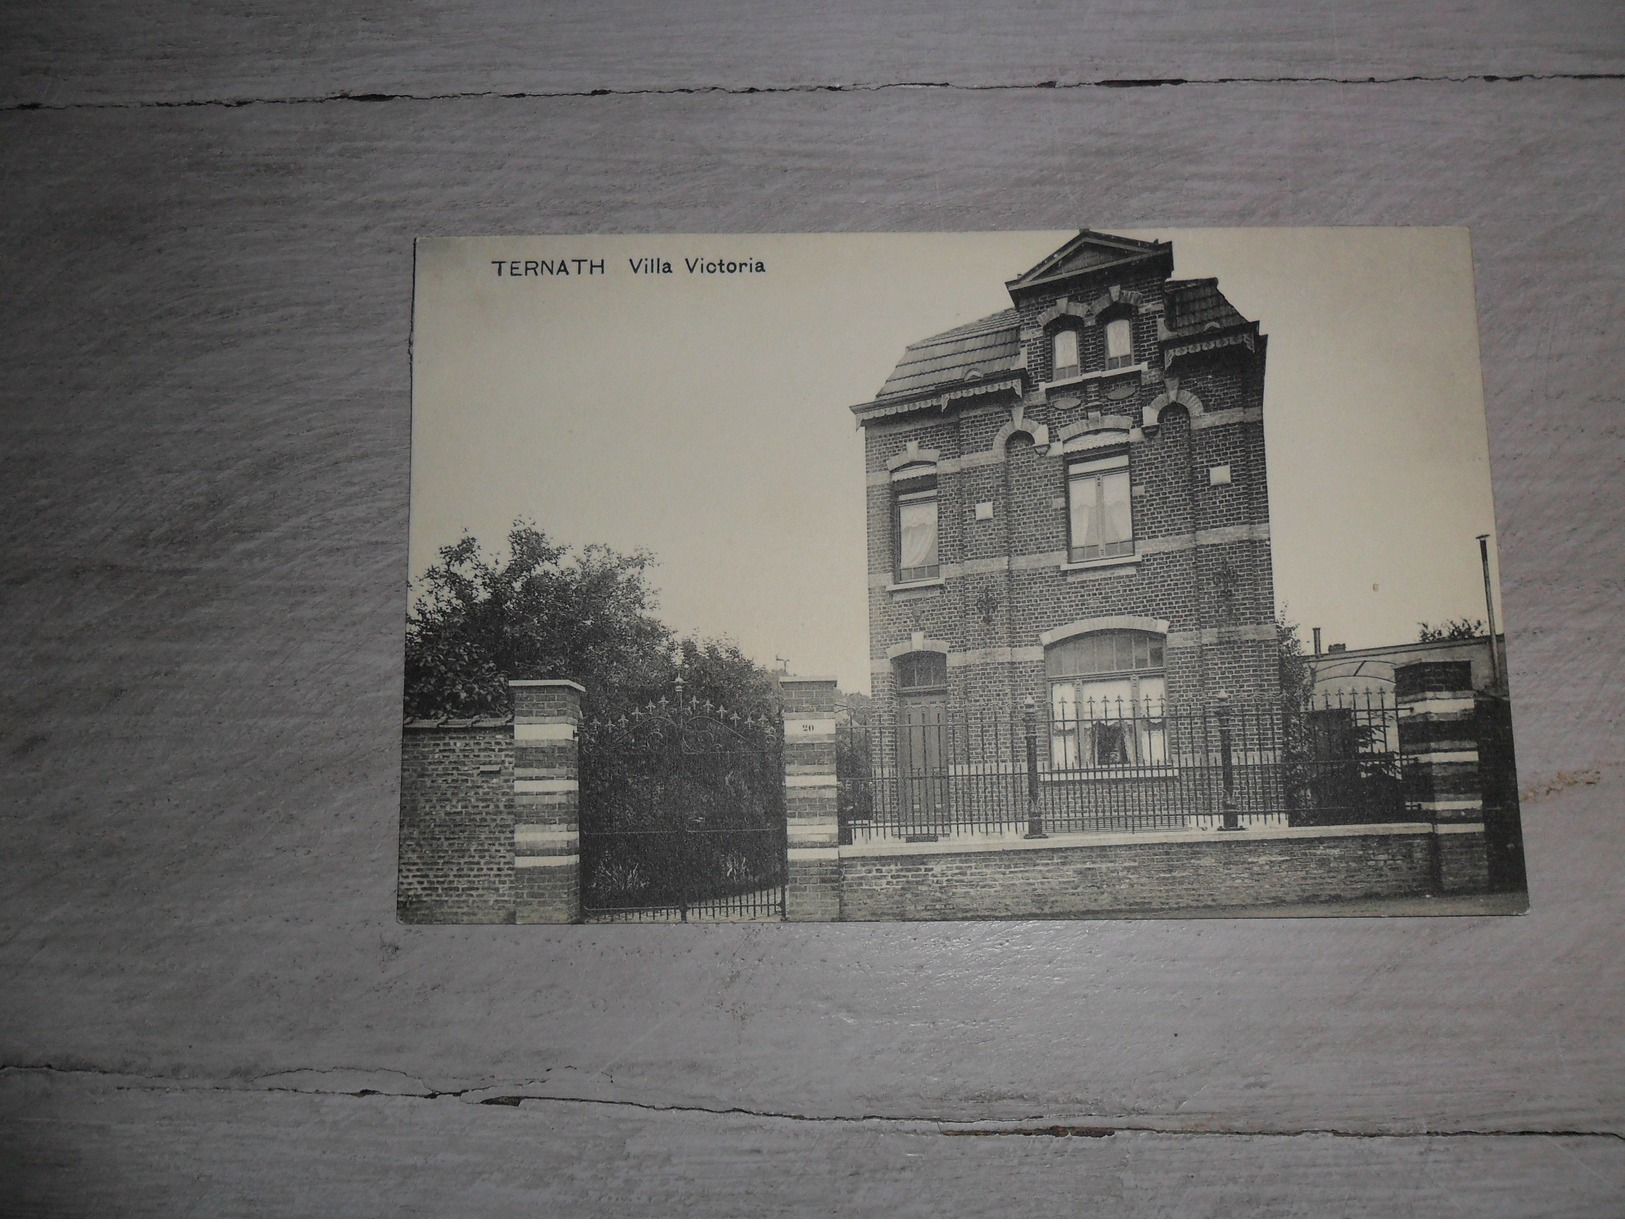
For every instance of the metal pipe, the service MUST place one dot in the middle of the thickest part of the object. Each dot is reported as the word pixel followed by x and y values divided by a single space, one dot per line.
pixel 1489 608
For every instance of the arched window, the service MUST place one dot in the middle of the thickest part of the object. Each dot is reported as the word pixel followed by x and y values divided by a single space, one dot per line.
pixel 1065 354
pixel 1106 700
pixel 922 671
pixel 1119 343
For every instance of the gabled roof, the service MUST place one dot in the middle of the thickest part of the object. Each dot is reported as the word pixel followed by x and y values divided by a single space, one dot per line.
pixel 1084 253
pixel 989 345
pixel 1197 305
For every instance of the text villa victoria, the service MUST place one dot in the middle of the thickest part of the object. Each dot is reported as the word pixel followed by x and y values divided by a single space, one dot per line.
pixel 649 266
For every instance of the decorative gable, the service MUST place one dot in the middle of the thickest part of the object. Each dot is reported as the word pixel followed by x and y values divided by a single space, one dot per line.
pixel 1087 253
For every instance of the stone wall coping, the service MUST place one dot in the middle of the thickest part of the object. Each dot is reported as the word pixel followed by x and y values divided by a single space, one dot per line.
pixel 807 679
pixel 546 683
pixel 457 723
pixel 1083 840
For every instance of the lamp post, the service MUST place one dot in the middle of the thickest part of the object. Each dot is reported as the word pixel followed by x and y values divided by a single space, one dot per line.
pixel 1035 817
pixel 1232 819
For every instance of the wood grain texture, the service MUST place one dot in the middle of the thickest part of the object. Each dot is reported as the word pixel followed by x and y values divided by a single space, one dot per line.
pixel 105 53
pixel 203 474
pixel 117 1151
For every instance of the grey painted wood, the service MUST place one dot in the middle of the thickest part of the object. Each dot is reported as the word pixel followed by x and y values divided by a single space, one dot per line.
pixel 103 52
pixel 203 461
pixel 90 1148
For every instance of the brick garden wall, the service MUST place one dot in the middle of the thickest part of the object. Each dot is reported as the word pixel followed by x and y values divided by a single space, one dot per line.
pixel 1144 874
pixel 456 834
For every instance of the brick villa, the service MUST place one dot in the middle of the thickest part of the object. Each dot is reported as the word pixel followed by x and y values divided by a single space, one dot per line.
pixel 1067 502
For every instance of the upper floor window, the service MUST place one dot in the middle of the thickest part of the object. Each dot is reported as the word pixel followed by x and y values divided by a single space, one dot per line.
pixel 1106 700
pixel 1065 354
pixel 1119 343
pixel 1100 517
pixel 916 534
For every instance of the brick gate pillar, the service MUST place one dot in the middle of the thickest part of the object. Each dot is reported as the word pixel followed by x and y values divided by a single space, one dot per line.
pixel 813 885
pixel 1438 745
pixel 546 800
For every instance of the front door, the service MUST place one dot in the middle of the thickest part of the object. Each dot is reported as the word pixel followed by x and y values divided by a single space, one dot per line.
pixel 922 761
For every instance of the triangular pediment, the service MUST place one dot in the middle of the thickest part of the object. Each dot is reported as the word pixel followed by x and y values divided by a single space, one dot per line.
pixel 1085 253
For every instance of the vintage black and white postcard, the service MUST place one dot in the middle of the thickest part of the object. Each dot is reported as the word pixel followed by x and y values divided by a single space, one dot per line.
pixel 938 576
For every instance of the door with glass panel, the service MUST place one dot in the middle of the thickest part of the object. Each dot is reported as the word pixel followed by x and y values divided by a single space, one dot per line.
pixel 923 742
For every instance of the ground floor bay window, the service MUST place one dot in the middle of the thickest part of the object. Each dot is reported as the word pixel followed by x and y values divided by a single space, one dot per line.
pixel 1107 694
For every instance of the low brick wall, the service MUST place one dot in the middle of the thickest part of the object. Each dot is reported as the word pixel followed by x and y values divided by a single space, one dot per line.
pixel 1067 876
pixel 456 847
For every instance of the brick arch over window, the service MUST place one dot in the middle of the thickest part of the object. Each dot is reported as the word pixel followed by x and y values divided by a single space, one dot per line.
pixel 1075 312
pixel 926 645
pixel 921 671
pixel 1104 624
pixel 1018 425
pixel 1181 398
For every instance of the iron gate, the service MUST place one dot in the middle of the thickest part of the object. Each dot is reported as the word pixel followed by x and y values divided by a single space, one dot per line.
pixel 682 815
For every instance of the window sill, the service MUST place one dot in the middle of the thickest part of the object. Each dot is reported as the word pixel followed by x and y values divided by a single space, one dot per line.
pixel 1129 561
pixel 918 584
pixel 1093 375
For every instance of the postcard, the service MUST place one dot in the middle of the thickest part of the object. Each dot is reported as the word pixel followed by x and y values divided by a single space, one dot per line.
pixel 852 577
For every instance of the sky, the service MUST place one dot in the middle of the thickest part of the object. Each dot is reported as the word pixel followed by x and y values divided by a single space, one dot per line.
pixel 706 417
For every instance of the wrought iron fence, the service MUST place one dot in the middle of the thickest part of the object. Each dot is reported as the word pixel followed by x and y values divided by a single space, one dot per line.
pixel 1129 766
pixel 682 815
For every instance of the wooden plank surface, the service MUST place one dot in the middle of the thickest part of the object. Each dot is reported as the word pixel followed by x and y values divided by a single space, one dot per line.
pixel 122 1151
pixel 203 460
pixel 107 53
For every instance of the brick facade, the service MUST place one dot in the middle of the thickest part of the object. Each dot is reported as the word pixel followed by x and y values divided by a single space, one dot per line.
pixel 977 414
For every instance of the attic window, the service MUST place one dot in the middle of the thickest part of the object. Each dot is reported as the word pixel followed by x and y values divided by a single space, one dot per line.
pixel 1065 355
pixel 1119 343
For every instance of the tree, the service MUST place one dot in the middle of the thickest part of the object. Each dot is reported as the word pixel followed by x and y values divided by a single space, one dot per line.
pixel 544 611
pixel 1297 673
pixel 1462 629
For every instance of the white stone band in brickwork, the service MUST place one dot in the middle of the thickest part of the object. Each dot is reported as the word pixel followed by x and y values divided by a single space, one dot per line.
pixel 543 732
pixel 1226 416
pixel 544 838
pixel 570 860
pixel 811 781
pixel 826 834
pixel 799 729
pixel 549 785
pixel 1436 705
pixel 810 854
pixel 1452 804
pixel 1446 757
pixel 881 579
